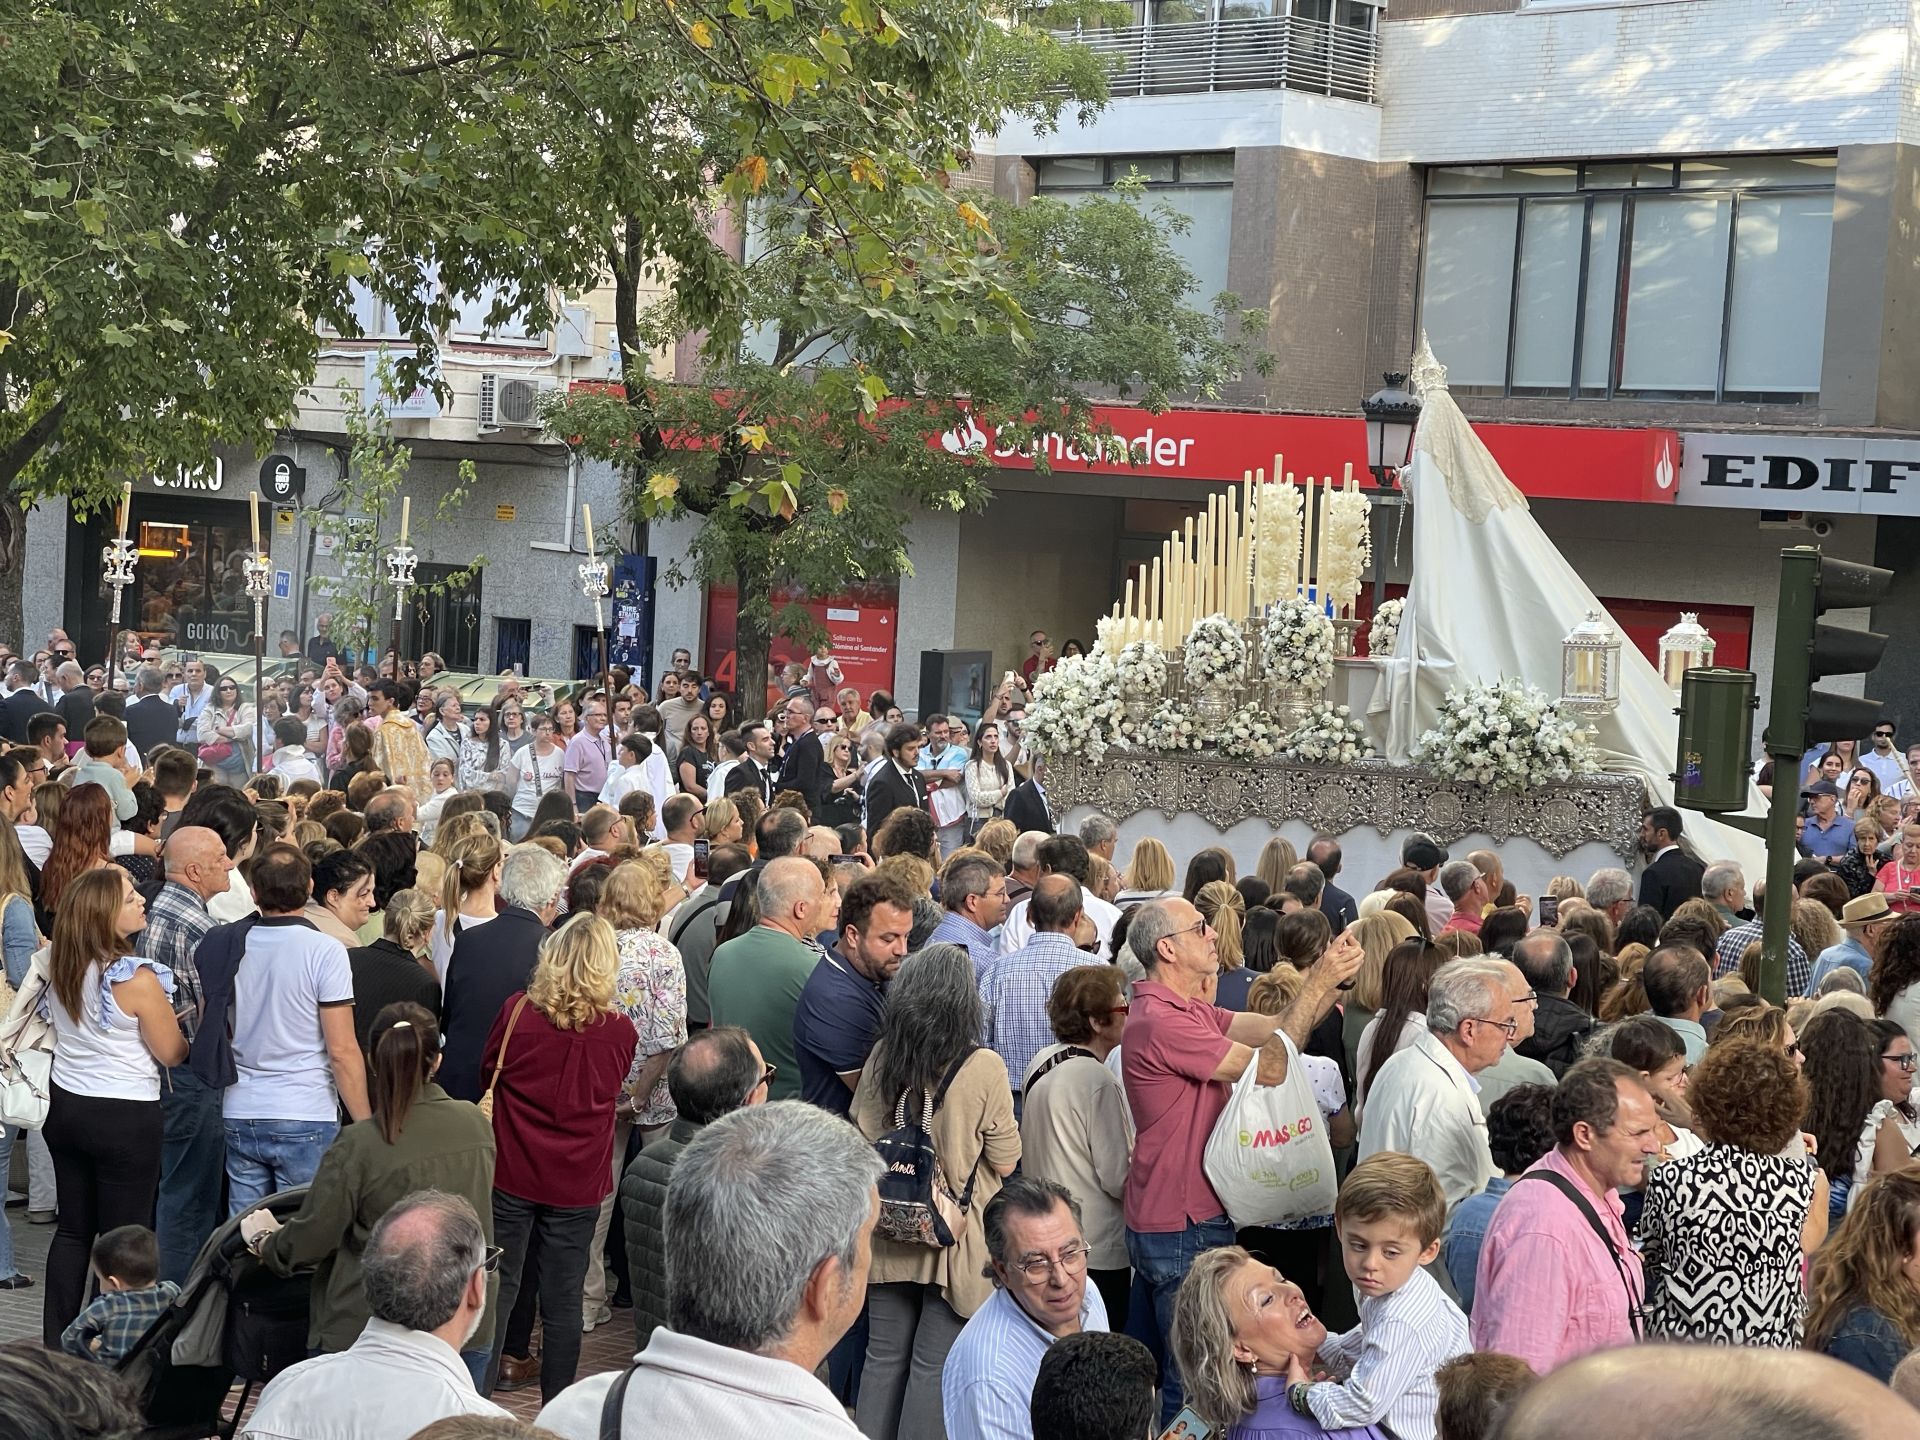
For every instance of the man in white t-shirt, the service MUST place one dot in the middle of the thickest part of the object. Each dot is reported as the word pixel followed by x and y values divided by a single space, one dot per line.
pixel 1063 855
pixel 294 1048
pixel 677 815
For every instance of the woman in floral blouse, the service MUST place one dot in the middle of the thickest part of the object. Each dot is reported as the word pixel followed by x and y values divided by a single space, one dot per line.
pixel 651 991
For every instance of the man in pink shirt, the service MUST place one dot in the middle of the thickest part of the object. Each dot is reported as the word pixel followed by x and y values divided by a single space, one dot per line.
pixel 1466 887
pixel 1558 1277
pixel 1180 1055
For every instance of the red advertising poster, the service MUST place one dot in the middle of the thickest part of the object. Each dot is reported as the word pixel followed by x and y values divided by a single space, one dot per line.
pixel 1563 462
pixel 861 624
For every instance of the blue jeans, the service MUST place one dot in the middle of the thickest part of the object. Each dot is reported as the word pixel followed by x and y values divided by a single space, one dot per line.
pixel 1162 1261
pixel 192 1167
pixel 265 1157
pixel 7 1134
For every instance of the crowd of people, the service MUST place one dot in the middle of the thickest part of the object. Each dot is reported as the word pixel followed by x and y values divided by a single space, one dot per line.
pixel 887 1105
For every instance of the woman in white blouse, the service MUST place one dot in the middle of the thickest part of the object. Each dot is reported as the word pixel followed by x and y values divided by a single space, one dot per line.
pixel 987 780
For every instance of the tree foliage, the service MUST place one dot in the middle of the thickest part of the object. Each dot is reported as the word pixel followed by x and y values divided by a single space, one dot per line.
pixel 359 522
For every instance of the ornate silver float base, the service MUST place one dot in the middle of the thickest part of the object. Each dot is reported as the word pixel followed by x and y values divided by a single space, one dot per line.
pixel 1214 704
pixel 1290 704
pixel 1337 798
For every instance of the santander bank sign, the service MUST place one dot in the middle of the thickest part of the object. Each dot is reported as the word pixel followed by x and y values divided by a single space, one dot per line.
pixel 1548 461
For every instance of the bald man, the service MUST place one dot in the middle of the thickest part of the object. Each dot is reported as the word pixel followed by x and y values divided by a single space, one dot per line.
pixel 192 1147
pixel 821 842
pixel 1688 1392
pixel 756 978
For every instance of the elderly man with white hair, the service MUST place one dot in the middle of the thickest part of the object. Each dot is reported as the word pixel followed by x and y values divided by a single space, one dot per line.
pixel 769 1238
pixel 1424 1102
pixel 1610 891
pixel 1723 885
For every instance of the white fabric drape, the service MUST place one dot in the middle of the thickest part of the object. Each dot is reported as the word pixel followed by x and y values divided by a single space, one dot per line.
pixel 1492 598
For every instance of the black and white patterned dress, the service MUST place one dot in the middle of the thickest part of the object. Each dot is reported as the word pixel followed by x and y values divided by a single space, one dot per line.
pixel 1720 1236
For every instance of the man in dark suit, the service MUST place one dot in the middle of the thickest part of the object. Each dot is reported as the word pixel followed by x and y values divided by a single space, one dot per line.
pixel 805 766
pixel 76 700
pixel 1027 806
pixel 22 704
pixel 1336 904
pixel 491 961
pixel 1672 875
pixel 151 718
pixel 755 771
pixel 896 782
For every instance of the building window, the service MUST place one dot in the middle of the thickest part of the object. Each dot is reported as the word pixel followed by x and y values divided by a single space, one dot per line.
pixel 1199 187
pixel 470 322
pixel 1700 279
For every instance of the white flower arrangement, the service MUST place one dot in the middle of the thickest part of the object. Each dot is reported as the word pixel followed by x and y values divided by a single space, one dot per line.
pixel 1276 532
pixel 1298 644
pixel 1141 668
pixel 1251 734
pixel 1346 544
pixel 1171 727
pixel 1384 633
pixel 1214 651
pixel 1329 736
pixel 1507 735
pixel 1076 707
pixel 1107 633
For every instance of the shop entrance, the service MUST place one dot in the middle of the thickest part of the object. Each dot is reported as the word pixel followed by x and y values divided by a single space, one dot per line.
pixel 189 588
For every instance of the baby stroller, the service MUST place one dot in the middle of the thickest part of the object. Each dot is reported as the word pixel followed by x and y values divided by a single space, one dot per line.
pixel 234 1320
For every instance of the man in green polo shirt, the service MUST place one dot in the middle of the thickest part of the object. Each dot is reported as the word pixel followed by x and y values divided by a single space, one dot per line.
pixel 756 979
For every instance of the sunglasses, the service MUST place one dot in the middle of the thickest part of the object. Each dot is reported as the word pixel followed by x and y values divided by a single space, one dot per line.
pixel 490 1262
pixel 1883 734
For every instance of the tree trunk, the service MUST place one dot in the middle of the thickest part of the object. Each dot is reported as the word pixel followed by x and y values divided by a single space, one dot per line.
pixel 13 573
pixel 752 636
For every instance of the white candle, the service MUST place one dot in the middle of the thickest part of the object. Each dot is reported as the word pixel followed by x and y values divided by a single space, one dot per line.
pixel 587 510
pixel 406 516
pixel 1309 557
pixel 126 503
pixel 1127 625
pixel 1298 563
pixel 253 508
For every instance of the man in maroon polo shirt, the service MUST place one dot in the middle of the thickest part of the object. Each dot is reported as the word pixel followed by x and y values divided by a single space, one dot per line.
pixel 1180 1055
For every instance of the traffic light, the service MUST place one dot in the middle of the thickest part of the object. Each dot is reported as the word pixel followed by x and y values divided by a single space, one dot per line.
pixel 1804 650
pixel 1713 767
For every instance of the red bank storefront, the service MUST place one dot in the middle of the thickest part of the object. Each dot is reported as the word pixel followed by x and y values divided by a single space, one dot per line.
pixel 1161 455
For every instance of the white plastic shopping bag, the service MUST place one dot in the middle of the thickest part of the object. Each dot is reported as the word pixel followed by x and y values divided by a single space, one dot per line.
pixel 1268 1158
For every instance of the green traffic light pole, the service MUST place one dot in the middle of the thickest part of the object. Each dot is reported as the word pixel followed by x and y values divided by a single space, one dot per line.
pixel 1784 742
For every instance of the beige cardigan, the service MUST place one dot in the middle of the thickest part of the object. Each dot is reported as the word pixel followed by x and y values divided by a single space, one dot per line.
pixel 975 1120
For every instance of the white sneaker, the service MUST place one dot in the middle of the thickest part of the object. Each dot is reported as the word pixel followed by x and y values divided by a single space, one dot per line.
pixel 590 1323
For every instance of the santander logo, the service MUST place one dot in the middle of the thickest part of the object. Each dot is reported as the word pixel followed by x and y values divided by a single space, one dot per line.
pixel 1663 470
pixel 967 439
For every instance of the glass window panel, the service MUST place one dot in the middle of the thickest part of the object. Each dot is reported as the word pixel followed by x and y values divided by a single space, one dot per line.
pixel 1153 168
pixel 1467 287
pixel 1179 12
pixel 1548 294
pixel 1199 169
pixel 1630 175
pixel 1750 171
pixel 1251 9
pixel 1355 15
pixel 1074 170
pixel 1675 285
pixel 1603 280
pixel 1502 179
pixel 368 309
pixel 1779 310
pixel 470 318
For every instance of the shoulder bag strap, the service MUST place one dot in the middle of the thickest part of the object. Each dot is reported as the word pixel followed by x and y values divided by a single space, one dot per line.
pixel 965 1197
pixel 1072 1052
pixel 615 1403
pixel 1567 1188
pixel 501 1059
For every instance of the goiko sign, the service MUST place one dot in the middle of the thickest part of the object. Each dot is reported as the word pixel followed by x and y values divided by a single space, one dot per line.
pixel 1828 474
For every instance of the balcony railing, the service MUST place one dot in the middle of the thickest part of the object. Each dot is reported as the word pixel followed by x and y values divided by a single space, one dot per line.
pixel 1280 52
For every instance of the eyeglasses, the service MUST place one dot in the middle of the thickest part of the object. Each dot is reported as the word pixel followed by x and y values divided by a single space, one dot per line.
pixel 1905 1062
pixel 490 1261
pixel 1071 1261
pixel 1121 1009
pixel 1512 1027
pixel 766 1078
pixel 1883 734
pixel 1199 927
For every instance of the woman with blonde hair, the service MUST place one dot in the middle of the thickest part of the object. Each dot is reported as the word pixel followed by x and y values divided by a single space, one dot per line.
pixel 1704 913
pixel 1223 907
pixel 555 1065
pixel 1564 888
pixel 1378 934
pixel 1863 1288
pixel 1277 857
pixel 468 894
pixel 651 991
pixel 1626 996
pixel 391 968
pixel 1813 926
pixel 1239 1325
pixel 721 824
pixel 1149 874
pixel 996 837
pixel 113 1029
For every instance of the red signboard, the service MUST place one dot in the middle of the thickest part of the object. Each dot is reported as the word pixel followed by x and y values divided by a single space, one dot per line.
pixel 1558 462
pixel 862 625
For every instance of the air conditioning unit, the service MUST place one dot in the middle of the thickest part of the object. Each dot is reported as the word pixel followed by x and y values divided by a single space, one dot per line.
pixel 511 402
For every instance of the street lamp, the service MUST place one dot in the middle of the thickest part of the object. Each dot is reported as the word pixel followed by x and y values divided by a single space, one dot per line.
pixel 1392 413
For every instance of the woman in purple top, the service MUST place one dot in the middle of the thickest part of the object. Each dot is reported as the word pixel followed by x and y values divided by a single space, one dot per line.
pixel 1236 1325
